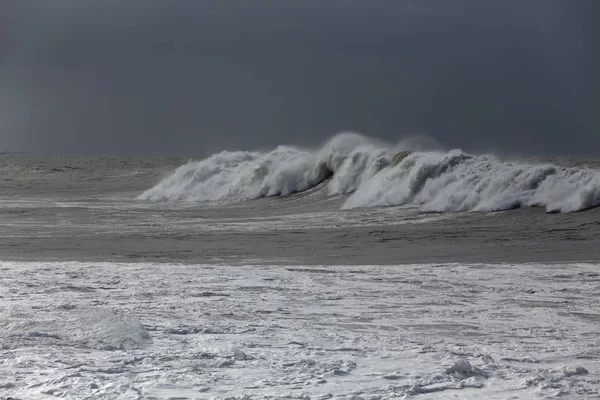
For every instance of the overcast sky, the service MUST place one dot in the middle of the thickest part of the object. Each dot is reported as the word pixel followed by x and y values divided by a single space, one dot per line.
pixel 192 77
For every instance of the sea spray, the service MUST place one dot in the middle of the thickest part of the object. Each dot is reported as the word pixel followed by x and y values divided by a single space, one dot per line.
pixel 285 170
pixel 352 164
pixel 456 181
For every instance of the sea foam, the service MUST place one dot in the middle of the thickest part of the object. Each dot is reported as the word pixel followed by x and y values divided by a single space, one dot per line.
pixel 438 181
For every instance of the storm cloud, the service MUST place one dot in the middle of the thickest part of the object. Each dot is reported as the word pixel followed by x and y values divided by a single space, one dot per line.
pixel 193 77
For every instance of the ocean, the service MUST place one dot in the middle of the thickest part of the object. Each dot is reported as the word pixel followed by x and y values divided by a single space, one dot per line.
pixel 340 272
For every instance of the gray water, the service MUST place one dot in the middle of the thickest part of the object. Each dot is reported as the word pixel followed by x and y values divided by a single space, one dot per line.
pixel 87 208
pixel 106 293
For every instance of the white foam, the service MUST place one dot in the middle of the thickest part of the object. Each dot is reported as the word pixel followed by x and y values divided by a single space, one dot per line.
pixel 455 181
pixel 437 181
pixel 107 330
pixel 285 170
pixel 248 175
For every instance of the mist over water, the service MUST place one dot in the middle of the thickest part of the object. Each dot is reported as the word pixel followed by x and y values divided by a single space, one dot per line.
pixel 437 181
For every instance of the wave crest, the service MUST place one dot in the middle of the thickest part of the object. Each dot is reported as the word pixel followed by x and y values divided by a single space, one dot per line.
pixel 353 164
pixel 285 170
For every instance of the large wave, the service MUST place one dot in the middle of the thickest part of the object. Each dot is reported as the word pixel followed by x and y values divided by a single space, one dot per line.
pixel 353 164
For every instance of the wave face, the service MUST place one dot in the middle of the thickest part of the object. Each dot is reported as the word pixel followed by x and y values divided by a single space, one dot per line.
pixel 347 159
pixel 455 181
pixel 353 164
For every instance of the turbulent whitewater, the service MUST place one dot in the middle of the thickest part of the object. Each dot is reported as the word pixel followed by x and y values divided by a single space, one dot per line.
pixel 437 181
pixel 165 331
pixel 109 290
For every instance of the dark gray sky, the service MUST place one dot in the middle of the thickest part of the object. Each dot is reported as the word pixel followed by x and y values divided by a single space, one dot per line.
pixel 191 77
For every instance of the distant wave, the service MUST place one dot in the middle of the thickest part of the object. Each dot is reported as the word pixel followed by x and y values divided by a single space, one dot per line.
pixel 353 164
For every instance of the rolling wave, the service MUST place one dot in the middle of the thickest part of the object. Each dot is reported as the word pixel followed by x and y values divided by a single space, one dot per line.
pixel 352 164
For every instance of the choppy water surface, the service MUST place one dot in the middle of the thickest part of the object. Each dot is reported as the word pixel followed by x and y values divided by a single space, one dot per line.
pixel 333 272
pixel 130 209
pixel 147 331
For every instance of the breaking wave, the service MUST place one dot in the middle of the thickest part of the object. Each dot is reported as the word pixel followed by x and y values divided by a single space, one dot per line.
pixel 353 164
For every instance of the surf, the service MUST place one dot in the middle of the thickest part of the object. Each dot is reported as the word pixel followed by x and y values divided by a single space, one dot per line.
pixel 374 174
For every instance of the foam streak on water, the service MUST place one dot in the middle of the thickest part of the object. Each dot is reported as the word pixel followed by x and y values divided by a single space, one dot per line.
pixel 103 331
